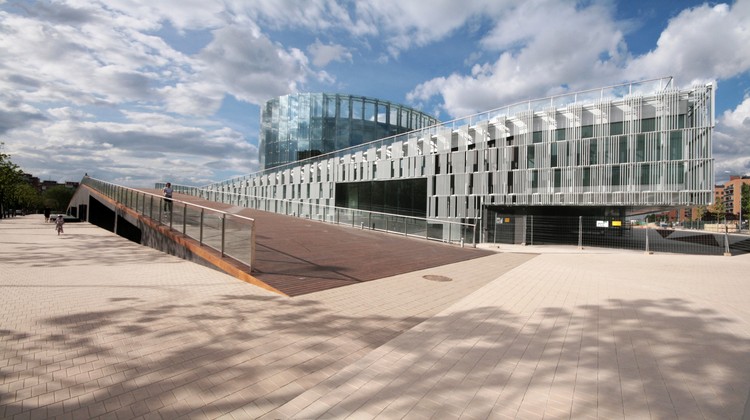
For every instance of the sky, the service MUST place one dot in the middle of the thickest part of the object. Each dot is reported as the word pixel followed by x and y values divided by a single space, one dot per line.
pixel 136 92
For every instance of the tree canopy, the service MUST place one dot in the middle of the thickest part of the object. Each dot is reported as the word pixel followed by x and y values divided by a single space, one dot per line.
pixel 11 177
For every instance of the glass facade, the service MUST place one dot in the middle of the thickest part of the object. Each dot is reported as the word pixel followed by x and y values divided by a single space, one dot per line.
pixel 640 145
pixel 303 125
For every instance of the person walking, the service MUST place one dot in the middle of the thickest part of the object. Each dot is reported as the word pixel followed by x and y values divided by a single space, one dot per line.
pixel 168 197
pixel 59 222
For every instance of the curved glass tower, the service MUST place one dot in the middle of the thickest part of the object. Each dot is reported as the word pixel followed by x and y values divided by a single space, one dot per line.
pixel 303 125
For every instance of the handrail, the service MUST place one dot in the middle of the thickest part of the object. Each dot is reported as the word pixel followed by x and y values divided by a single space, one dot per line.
pixel 189 204
pixel 289 201
pixel 124 196
pixel 336 212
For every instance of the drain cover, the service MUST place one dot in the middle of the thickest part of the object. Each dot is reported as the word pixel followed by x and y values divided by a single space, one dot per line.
pixel 436 278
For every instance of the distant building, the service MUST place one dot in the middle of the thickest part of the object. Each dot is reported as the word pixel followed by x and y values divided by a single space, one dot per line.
pixel 729 195
pixel 42 186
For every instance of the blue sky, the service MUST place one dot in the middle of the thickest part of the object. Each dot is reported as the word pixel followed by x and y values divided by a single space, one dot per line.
pixel 136 92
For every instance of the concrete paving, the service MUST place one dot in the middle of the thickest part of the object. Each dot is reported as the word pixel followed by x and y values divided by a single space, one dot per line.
pixel 94 326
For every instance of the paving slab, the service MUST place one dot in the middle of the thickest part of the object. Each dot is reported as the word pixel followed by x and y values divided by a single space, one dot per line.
pixel 92 325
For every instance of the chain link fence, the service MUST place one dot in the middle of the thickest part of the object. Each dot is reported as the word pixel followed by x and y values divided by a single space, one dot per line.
pixel 587 231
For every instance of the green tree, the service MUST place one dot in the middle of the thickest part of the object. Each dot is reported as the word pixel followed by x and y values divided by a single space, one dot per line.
pixel 26 197
pixel 720 209
pixel 699 212
pixel 10 178
pixel 58 197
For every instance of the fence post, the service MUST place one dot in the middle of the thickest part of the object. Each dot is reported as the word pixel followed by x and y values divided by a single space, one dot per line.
pixel 184 218
pixel 727 253
pixel 580 232
pixel 252 245
pixel 532 229
pixel 200 235
pixel 223 232
pixel 648 251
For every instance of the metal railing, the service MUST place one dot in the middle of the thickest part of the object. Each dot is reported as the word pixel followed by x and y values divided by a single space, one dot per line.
pixel 587 231
pixel 229 234
pixel 417 227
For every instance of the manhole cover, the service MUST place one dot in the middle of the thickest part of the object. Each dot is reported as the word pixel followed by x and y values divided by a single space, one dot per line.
pixel 436 278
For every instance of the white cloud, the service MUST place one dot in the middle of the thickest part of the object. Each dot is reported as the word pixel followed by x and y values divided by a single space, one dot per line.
pixel 732 140
pixel 251 67
pixel 582 46
pixel 531 63
pixel 405 24
pixel 700 44
pixel 86 87
pixel 322 54
pixel 145 149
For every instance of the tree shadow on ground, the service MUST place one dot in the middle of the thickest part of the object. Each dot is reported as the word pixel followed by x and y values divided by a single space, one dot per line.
pixel 221 353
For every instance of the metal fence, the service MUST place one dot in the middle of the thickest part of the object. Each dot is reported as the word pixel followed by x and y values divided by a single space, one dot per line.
pixel 229 234
pixel 417 227
pixel 584 231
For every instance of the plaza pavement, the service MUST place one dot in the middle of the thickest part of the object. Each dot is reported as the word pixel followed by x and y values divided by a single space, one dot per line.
pixel 95 326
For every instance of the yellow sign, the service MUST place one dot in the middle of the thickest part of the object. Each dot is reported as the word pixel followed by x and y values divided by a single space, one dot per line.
pixel 616 223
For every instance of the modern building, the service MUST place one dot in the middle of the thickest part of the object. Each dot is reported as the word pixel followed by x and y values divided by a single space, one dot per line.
pixel 303 125
pixel 608 152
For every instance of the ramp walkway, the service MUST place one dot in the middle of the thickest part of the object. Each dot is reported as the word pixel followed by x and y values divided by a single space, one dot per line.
pixel 298 256
pixel 95 326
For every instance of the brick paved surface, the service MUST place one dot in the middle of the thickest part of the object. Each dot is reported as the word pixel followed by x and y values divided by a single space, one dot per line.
pixel 92 325
pixel 299 256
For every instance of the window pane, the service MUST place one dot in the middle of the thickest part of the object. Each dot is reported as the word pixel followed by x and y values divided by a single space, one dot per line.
pixel 356 109
pixel 616 128
pixel 640 148
pixel 675 145
pixel 587 131
pixel 344 108
pixel 530 156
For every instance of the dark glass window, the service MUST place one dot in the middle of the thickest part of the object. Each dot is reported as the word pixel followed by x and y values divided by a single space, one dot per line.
pixel 645 174
pixel 640 148
pixel 592 152
pixel 587 131
pixel 530 156
pixel 586 177
pixel 616 175
pixel 675 145
pixel 648 124
pixel 623 146
pixel 553 155
pixel 616 128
